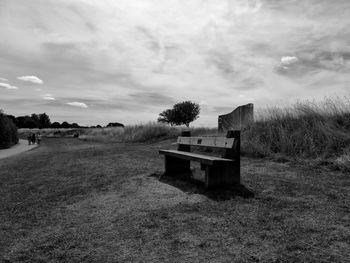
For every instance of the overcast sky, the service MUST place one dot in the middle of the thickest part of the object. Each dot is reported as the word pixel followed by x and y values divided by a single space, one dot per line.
pixel 94 61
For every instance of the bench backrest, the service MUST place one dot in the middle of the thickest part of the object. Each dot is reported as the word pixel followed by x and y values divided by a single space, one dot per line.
pixel 231 143
pixel 215 142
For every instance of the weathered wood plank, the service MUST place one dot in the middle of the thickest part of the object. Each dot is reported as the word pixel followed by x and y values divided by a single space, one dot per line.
pixel 218 142
pixel 205 159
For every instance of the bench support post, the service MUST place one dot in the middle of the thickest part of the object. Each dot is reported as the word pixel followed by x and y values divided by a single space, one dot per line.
pixel 221 175
pixel 176 165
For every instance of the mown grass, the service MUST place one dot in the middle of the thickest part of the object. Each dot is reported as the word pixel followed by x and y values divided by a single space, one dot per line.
pixel 80 201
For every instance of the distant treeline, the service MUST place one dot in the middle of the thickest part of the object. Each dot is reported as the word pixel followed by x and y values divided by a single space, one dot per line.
pixel 43 121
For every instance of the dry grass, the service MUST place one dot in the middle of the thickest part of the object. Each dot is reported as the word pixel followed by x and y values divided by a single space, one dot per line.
pixel 150 132
pixel 343 161
pixel 312 130
pixel 305 130
pixel 49 132
pixel 80 201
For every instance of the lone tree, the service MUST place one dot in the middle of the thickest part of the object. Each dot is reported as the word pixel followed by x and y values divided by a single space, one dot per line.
pixel 181 113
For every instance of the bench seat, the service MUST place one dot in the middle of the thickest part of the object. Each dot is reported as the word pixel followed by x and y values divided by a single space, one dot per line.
pixel 205 159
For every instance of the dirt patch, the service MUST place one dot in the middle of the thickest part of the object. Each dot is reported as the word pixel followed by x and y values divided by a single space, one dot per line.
pixel 141 193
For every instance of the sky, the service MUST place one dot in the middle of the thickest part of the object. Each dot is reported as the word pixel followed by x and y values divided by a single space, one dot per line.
pixel 95 62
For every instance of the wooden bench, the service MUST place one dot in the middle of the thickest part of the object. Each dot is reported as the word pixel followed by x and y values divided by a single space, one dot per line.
pixel 219 171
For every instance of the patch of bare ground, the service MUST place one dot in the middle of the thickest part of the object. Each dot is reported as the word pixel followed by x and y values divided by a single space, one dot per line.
pixel 78 201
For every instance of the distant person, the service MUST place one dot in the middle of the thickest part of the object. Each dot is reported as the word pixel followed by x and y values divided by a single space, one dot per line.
pixel 33 138
pixel 29 138
pixel 38 138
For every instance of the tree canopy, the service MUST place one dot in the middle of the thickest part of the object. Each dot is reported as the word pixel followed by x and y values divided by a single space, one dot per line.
pixel 182 113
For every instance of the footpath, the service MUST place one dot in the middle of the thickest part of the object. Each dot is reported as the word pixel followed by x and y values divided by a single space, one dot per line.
pixel 22 146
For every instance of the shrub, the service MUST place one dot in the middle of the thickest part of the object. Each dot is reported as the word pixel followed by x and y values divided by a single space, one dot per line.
pixel 115 124
pixel 8 132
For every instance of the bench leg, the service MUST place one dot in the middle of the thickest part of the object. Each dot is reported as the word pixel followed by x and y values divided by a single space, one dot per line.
pixel 221 175
pixel 176 166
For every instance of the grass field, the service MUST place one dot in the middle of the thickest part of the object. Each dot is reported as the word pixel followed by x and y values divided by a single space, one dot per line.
pixel 83 201
pixel 314 131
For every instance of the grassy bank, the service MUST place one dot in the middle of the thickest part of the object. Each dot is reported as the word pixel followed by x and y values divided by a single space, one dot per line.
pixel 305 130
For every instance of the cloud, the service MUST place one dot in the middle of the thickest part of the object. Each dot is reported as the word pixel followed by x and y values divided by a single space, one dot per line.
pixel 119 55
pixel 32 79
pixel 2 79
pixel 78 104
pixel 288 60
pixel 289 66
pixel 7 86
pixel 47 97
pixel 152 98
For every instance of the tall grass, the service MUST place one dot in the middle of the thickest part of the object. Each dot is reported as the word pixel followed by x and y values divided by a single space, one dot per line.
pixel 306 129
pixel 149 132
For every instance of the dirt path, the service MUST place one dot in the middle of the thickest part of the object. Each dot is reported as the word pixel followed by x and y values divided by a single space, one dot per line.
pixel 22 146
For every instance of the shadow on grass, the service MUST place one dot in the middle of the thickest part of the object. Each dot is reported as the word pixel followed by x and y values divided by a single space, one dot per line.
pixel 191 186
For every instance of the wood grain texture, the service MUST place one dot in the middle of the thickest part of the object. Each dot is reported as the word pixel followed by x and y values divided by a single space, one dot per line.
pixel 210 160
pixel 217 142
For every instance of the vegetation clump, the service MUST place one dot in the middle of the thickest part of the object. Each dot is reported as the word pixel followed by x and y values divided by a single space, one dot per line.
pixel 306 129
pixel 115 124
pixel 8 132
